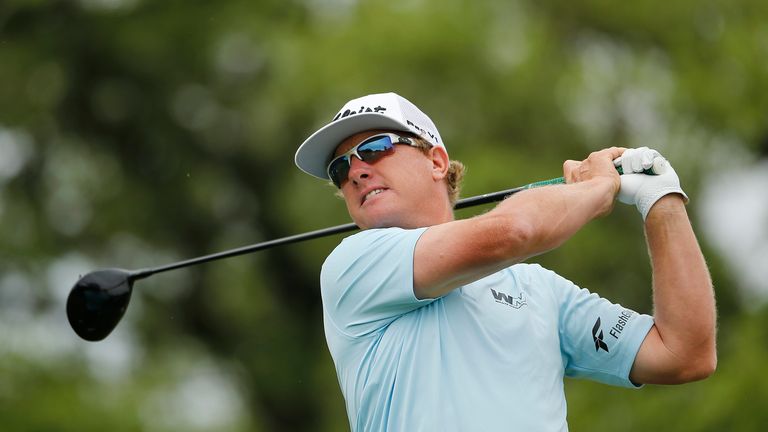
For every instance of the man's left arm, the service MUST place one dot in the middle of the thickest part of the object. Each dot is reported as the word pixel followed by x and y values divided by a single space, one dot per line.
pixel 680 347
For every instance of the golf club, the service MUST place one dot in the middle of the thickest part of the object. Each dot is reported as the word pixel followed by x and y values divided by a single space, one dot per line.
pixel 99 299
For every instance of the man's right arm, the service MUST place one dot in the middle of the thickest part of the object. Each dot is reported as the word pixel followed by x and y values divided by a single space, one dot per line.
pixel 529 223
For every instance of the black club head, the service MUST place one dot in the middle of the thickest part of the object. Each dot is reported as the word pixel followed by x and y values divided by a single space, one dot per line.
pixel 98 301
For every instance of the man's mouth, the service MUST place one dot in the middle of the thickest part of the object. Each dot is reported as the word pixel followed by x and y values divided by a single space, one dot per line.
pixel 372 194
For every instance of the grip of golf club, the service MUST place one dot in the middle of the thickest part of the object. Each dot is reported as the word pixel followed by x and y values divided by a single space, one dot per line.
pixel 659 167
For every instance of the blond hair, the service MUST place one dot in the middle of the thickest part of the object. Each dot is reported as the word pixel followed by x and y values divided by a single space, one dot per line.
pixel 455 174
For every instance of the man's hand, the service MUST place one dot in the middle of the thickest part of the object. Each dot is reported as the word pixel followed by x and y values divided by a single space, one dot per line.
pixel 598 167
pixel 644 190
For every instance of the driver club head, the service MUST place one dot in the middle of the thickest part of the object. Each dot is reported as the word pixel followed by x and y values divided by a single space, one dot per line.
pixel 98 301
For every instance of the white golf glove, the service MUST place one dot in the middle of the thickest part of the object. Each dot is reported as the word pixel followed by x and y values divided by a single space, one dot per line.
pixel 643 190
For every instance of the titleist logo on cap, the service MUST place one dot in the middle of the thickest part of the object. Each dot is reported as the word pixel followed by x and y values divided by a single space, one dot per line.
pixel 380 109
pixel 349 112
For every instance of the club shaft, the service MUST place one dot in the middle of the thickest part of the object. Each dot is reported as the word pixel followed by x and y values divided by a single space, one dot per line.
pixel 140 274
pixel 463 203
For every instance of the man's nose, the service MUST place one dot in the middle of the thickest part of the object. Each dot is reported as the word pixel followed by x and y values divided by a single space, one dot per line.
pixel 358 169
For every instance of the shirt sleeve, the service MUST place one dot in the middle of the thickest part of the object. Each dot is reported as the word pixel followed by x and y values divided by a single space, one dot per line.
pixel 367 281
pixel 598 339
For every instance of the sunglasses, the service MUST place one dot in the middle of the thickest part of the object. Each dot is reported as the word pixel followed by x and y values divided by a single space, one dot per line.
pixel 368 151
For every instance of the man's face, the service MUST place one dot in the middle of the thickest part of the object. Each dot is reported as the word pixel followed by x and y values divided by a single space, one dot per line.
pixel 396 190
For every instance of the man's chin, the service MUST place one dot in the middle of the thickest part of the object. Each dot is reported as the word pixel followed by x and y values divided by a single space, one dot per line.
pixel 377 222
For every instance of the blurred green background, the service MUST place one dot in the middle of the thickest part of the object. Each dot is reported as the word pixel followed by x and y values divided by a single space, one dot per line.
pixel 134 133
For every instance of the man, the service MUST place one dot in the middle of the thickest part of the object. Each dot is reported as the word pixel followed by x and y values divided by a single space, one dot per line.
pixel 435 325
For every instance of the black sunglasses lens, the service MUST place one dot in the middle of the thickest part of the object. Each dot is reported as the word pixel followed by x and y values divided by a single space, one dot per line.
pixel 339 170
pixel 374 150
pixel 367 151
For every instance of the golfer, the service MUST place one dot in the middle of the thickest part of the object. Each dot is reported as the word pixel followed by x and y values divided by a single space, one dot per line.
pixel 437 324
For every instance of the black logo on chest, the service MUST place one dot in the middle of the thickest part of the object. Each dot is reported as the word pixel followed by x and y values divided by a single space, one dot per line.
pixel 506 299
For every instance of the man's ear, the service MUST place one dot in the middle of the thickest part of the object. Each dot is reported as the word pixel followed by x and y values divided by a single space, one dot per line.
pixel 440 162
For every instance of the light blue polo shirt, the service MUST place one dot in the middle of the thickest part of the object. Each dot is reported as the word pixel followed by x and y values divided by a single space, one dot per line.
pixel 489 356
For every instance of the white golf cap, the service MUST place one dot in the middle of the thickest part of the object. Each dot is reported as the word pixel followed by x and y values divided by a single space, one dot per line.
pixel 387 111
